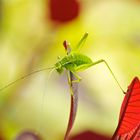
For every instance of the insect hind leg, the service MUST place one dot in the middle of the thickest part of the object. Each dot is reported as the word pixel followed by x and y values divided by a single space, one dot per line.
pixel 103 61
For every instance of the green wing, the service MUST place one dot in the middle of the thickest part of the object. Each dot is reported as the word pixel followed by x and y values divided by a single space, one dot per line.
pixel 81 42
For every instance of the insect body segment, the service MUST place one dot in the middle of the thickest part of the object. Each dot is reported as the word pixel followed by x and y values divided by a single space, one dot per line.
pixel 73 62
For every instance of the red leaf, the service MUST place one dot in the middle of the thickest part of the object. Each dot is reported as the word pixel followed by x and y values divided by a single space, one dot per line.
pixel 74 105
pixel 129 121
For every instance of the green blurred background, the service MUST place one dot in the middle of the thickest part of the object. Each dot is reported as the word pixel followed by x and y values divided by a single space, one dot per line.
pixel 31 40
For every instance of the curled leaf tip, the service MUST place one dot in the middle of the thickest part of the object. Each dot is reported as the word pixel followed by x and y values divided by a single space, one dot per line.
pixel 66 44
pixel 136 79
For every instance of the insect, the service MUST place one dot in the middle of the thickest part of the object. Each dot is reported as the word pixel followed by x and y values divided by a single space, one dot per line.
pixel 73 62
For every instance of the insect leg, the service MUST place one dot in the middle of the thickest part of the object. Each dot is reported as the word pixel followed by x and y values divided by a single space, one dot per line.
pixel 69 79
pixel 81 42
pixel 103 61
pixel 77 76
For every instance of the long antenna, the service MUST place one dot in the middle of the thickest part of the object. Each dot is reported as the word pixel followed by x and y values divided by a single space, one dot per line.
pixel 24 77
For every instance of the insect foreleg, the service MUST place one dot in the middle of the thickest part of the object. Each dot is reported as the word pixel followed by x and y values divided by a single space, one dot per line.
pixel 77 76
pixel 100 61
pixel 69 79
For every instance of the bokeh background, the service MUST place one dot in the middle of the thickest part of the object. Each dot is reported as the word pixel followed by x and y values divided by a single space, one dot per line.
pixel 31 37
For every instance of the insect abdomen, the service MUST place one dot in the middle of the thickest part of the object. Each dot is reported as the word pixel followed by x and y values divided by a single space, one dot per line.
pixel 76 59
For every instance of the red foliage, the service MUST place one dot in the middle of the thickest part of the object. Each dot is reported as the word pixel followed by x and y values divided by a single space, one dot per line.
pixel 129 121
pixel 64 10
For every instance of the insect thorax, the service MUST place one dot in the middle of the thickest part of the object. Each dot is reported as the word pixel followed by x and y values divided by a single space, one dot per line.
pixel 72 61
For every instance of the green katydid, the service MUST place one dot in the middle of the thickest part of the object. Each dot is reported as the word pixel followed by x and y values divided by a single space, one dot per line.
pixel 74 62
